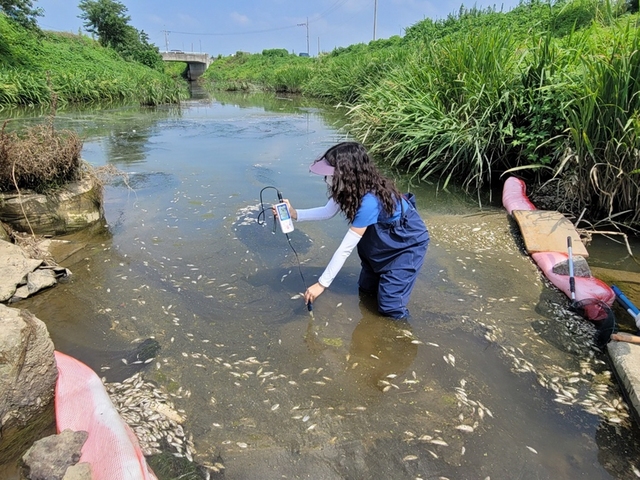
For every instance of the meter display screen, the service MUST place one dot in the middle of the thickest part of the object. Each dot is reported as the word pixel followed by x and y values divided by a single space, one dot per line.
pixel 283 212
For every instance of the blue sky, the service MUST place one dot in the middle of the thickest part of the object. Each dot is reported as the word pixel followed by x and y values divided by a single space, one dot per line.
pixel 225 27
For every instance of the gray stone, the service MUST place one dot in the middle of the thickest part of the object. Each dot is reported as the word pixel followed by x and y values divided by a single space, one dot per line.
pixel 28 371
pixel 49 458
pixel 580 267
pixel 39 280
pixel 79 471
pixel 14 268
pixel 71 208
pixel 21 293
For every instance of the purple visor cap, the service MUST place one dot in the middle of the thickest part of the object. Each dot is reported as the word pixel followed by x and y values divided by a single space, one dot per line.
pixel 321 167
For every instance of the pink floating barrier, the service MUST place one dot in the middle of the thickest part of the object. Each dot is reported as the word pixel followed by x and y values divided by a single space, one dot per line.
pixel 514 198
pixel 82 404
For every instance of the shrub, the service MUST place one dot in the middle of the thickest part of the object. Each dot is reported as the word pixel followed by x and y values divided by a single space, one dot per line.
pixel 38 159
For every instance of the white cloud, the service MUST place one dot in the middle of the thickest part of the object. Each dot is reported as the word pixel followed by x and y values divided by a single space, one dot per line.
pixel 240 19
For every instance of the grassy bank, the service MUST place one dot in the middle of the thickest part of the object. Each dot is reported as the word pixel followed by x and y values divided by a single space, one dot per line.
pixel 34 65
pixel 548 91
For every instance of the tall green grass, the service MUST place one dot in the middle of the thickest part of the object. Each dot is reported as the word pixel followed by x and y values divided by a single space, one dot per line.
pixel 602 154
pixel 445 111
pixel 243 71
pixel 76 69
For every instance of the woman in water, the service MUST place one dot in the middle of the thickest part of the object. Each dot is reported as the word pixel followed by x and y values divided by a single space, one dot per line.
pixel 391 237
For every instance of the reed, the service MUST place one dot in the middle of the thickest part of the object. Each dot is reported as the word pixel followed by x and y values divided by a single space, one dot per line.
pixel 443 113
pixel 600 166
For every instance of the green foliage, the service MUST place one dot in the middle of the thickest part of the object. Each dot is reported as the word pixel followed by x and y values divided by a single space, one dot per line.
pixel 136 48
pixel 21 12
pixel 275 52
pixel 75 68
pixel 272 71
pixel 445 111
pixel 108 20
pixel 16 44
pixel 345 76
pixel 603 121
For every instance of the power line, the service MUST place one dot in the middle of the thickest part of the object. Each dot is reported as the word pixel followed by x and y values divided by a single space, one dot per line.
pixel 234 33
pixel 334 6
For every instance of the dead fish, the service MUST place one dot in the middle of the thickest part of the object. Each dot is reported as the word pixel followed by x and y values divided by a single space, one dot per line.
pixel 410 458
pixel 437 441
pixel 465 428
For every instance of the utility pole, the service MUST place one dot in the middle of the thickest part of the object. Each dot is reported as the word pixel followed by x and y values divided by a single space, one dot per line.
pixel 166 40
pixel 306 25
pixel 375 17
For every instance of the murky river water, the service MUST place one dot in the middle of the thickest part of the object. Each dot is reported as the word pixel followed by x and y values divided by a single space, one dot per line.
pixel 493 377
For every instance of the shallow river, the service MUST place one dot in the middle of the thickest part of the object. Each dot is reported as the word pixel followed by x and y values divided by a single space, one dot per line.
pixel 493 378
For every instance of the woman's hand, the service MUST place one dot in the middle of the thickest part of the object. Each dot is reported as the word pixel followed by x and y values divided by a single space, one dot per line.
pixel 292 211
pixel 313 292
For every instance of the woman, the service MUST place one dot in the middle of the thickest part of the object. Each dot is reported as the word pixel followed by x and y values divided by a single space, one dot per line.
pixel 391 237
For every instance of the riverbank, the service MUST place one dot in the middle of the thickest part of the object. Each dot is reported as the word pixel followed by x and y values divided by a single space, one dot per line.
pixel 43 68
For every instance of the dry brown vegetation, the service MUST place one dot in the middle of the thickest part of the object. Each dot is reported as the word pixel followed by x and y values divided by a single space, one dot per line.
pixel 40 158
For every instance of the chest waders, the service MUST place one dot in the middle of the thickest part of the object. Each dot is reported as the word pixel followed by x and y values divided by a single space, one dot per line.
pixel 391 255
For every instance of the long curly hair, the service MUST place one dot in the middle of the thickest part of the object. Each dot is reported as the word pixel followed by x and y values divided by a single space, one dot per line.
pixel 355 175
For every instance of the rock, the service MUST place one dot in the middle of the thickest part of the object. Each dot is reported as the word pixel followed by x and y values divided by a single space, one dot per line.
pixel 15 265
pixel 4 232
pixel 28 371
pixel 36 281
pixel 50 458
pixel 69 209
pixel 79 471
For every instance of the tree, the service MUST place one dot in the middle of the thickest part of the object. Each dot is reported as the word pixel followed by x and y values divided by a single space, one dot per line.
pixel 107 19
pixel 21 12
pixel 137 48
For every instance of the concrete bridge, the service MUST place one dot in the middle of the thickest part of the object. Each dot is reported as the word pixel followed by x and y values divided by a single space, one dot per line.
pixel 197 62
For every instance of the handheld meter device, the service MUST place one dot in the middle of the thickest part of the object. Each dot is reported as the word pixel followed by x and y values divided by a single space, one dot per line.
pixel 284 217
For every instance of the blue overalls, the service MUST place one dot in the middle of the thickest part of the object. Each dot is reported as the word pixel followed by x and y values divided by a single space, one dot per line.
pixel 391 254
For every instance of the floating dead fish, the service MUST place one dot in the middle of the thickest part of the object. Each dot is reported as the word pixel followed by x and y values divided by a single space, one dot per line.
pixel 410 458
